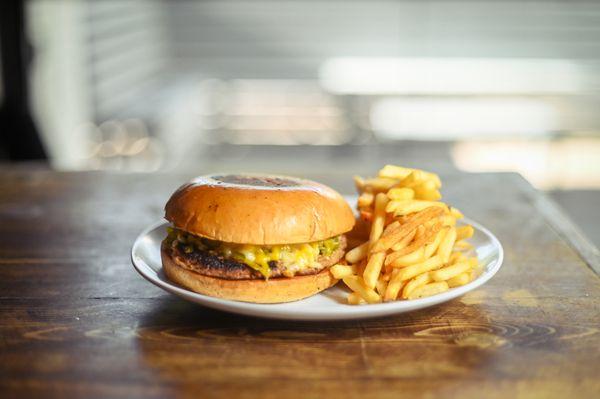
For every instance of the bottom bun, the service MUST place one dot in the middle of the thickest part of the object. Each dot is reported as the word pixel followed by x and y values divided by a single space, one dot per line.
pixel 275 290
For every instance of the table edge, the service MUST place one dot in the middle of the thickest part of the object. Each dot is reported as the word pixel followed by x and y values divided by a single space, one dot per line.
pixel 562 224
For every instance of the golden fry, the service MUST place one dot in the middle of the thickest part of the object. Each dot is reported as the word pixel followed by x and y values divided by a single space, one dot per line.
pixel 459 280
pixel 387 276
pixel 359 253
pixel 433 246
pixel 429 290
pixel 400 194
pixel 378 218
pixel 393 287
pixel 456 257
pixel 448 220
pixel 412 258
pixel 395 172
pixel 463 246
pixel 356 284
pixel 446 273
pixel 373 269
pixel 359 182
pixel 426 238
pixel 456 213
pixel 400 208
pixel 403 243
pixel 380 184
pixel 464 232
pixel 415 282
pixel 427 191
pixel 355 299
pixel 399 233
pixel 411 271
pixel 414 178
pixel 365 200
pixel 390 229
pixel 399 172
pixel 414 248
pixel 445 248
pixel 341 271
pixel 420 232
pixel 381 285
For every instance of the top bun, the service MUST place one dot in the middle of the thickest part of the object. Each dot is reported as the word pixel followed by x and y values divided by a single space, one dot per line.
pixel 259 209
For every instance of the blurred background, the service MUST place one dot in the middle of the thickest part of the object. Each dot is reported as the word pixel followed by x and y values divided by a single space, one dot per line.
pixel 300 87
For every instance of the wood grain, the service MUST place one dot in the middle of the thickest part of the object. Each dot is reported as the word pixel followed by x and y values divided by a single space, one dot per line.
pixel 77 321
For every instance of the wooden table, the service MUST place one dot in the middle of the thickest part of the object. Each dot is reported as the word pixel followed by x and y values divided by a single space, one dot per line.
pixel 77 321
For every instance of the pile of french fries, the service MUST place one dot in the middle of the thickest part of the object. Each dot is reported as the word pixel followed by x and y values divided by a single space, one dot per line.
pixel 414 248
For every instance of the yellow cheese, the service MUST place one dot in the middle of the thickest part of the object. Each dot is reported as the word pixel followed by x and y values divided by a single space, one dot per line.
pixel 294 257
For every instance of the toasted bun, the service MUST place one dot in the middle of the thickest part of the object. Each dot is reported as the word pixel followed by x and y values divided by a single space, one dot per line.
pixel 275 290
pixel 259 209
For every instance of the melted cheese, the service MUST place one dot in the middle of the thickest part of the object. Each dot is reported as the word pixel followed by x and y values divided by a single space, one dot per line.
pixel 293 257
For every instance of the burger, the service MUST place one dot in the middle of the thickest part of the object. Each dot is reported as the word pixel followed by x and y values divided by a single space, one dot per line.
pixel 255 238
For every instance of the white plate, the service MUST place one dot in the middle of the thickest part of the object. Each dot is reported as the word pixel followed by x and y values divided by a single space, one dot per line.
pixel 327 305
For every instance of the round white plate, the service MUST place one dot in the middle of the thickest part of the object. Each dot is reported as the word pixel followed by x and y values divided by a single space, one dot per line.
pixel 327 305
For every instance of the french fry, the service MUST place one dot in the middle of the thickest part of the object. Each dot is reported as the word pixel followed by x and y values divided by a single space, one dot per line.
pixel 462 246
pixel 390 228
pixel 412 258
pixel 403 243
pixel 456 213
pixel 373 269
pixel 365 200
pixel 412 223
pixel 355 299
pixel 356 284
pixel 395 172
pixel 400 193
pixel 399 172
pixel 427 191
pixel 429 290
pixel 448 220
pixel 414 178
pixel 446 273
pixel 433 246
pixel 415 282
pixel 410 206
pixel 420 232
pixel 426 238
pixel 393 287
pixel 474 262
pixel 359 182
pixel 378 218
pixel 357 254
pixel 380 184
pixel 341 271
pixel 445 248
pixel 456 257
pixel 414 248
pixel 381 285
pixel 413 270
pixel 459 280
pixel 387 275
pixel 464 232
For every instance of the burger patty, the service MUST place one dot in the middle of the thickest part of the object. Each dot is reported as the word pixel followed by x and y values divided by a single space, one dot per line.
pixel 209 264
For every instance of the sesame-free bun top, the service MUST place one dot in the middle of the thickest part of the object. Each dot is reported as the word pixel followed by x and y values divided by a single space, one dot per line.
pixel 259 209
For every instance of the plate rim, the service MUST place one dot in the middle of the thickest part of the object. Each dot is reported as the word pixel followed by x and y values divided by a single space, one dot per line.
pixel 344 312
